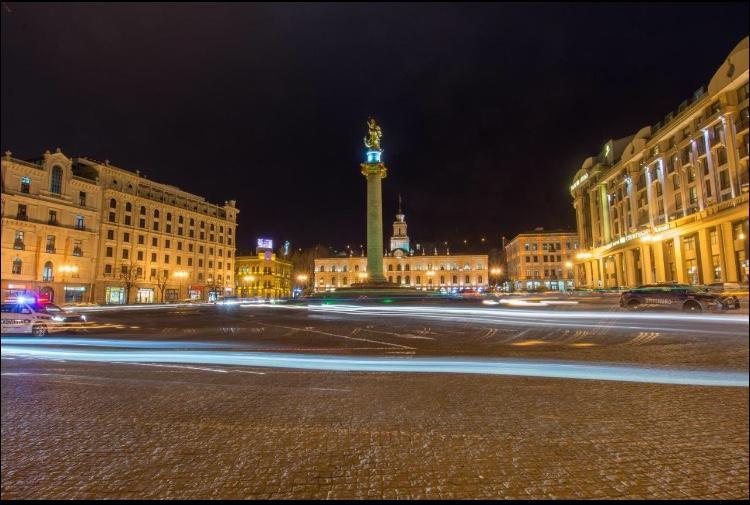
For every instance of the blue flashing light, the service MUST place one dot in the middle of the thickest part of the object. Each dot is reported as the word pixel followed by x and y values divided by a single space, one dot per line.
pixel 373 156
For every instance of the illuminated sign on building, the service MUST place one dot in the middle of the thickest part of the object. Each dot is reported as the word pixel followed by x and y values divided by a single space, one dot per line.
pixel 579 181
pixel 265 243
pixel 638 234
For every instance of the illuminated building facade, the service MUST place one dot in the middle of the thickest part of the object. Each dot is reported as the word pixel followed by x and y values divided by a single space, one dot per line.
pixel 407 268
pixel 542 259
pixel 50 227
pixel 263 275
pixel 119 235
pixel 670 203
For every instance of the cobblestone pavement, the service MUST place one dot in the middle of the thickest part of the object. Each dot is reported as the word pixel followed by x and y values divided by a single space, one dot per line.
pixel 94 430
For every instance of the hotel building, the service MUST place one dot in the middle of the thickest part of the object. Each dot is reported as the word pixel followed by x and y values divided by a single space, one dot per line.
pixel 407 267
pixel 670 203
pixel 263 275
pixel 110 235
pixel 541 258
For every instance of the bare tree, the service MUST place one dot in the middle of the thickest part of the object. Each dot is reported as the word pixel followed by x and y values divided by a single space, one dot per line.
pixel 129 274
pixel 161 284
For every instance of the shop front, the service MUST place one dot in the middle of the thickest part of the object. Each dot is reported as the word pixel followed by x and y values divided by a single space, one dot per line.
pixel 75 294
pixel 145 295
pixel 114 295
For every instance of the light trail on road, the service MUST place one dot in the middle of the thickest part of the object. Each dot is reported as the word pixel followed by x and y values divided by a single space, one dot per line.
pixel 523 368
pixel 661 322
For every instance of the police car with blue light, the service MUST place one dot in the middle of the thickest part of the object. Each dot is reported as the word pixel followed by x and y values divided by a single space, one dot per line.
pixel 27 315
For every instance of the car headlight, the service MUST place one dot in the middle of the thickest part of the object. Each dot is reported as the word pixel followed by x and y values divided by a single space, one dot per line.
pixel 83 317
pixel 58 318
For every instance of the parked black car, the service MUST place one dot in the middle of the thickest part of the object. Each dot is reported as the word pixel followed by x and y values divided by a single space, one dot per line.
pixel 677 297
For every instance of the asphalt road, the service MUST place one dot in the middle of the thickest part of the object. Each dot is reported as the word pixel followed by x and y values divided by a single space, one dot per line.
pixel 382 401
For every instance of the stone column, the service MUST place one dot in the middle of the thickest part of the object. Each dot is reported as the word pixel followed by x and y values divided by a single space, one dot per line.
pixel 646 267
pixel 730 259
pixel 374 172
pixel 618 269
pixel 630 276
pixel 704 252
pixel 679 264
pixel 659 264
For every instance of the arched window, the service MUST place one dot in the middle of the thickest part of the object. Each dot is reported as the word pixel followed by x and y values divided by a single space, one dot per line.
pixel 390 268
pixel 143 210
pixel 455 279
pixel 408 279
pixel 356 268
pixel 128 207
pixel 407 267
pixel 398 279
pixel 343 282
pixel 156 213
pixel 322 268
pixel 17 264
pixel 466 280
pixel 479 279
pixel 398 267
pixel 56 182
pixel 169 216
pixel 419 280
pixel 47 272
pixel 112 203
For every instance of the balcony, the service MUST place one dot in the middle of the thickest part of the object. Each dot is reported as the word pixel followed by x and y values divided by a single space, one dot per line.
pixel 50 250
pixel 22 217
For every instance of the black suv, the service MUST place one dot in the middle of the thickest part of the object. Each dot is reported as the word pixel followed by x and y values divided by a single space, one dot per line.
pixel 677 297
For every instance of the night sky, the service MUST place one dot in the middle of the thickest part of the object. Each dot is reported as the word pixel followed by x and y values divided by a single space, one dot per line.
pixel 487 111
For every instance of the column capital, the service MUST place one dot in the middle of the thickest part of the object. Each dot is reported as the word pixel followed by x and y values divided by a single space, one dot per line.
pixel 373 168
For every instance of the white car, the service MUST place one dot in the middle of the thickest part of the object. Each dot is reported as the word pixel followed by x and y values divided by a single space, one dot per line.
pixel 39 320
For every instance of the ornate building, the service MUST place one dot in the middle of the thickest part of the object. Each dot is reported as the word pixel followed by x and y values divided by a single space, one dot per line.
pixel 263 275
pixel 541 258
pixel 407 267
pixel 670 203
pixel 110 235
pixel 50 228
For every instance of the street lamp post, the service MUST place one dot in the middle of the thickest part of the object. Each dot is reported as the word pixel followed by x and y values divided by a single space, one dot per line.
pixel 496 272
pixel 302 279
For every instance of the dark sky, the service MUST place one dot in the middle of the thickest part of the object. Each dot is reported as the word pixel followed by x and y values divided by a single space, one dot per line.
pixel 487 110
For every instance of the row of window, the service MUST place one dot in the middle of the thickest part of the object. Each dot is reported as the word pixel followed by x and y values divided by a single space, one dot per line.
pixel 112 218
pixel 109 253
pixel 47 271
pixel 167 243
pixel 405 268
pixel 136 273
pixel 550 246
pixel 552 258
pixel 407 280
pixel 180 218
pixel 20 244
pixel 22 214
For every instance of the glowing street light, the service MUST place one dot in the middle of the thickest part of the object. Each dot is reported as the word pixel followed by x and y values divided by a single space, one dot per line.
pixel 568 264
pixel 180 274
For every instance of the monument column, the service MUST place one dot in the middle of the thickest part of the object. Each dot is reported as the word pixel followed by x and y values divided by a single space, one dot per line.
pixel 374 170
